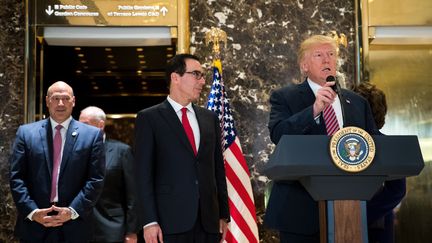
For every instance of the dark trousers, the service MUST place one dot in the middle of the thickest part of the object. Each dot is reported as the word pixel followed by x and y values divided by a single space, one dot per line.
pixel 52 235
pixel 286 237
pixel 196 235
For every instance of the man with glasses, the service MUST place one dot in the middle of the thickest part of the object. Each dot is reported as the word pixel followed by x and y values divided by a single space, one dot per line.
pixel 57 169
pixel 182 191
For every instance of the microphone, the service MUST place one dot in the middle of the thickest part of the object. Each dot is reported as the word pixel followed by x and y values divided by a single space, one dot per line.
pixel 335 87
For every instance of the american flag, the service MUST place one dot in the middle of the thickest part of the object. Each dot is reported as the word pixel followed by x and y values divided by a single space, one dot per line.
pixel 243 227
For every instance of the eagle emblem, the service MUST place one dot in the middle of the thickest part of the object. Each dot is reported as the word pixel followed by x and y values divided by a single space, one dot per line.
pixel 352 148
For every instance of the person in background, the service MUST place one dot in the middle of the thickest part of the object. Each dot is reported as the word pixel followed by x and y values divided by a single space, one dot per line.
pixel 380 208
pixel 181 177
pixel 309 108
pixel 57 169
pixel 116 219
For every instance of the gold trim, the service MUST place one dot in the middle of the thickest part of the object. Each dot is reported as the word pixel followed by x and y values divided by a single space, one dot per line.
pixel 183 40
pixel 121 116
pixel 365 36
pixel 360 162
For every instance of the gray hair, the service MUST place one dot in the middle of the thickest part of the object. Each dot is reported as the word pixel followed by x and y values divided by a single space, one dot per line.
pixel 94 112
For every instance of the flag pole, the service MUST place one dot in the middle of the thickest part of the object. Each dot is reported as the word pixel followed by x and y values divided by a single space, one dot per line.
pixel 243 226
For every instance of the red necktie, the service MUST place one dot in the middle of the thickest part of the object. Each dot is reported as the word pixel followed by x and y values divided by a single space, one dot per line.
pixel 330 120
pixel 57 145
pixel 188 129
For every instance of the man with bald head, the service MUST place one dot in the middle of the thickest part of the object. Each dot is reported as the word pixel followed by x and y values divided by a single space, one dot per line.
pixel 57 167
pixel 116 219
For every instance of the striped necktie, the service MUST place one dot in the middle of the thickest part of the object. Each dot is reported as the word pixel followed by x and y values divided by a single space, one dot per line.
pixel 330 120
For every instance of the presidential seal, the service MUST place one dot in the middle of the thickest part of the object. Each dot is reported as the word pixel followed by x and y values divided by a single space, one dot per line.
pixel 352 149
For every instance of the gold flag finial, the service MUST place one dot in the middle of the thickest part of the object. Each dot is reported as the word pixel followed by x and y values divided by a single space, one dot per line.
pixel 216 35
pixel 341 39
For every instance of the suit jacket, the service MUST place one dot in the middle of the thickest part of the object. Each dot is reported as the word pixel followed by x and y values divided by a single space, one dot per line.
pixel 115 213
pixel 290 207
pixel 380 210
pixel 80 178
pixel 173 183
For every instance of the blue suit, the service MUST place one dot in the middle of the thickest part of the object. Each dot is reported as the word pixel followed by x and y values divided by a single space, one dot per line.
pixel 80 178
pixel 290 208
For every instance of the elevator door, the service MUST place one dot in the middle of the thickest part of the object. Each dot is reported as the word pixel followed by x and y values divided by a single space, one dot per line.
pixel 119 79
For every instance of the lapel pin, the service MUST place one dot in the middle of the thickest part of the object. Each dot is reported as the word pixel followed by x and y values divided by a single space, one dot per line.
pixel 74 134
pixel 348 101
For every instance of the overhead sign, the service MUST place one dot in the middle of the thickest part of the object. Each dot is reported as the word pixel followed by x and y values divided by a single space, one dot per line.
pixel 107 12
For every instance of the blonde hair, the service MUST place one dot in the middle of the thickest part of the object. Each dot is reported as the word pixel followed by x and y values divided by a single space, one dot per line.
pixel 307 45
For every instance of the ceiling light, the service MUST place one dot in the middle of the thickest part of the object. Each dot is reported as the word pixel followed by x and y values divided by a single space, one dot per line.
pixel 77 48
pixel 81 55
pixel 110 56
pixel 108 49
pixel 139 49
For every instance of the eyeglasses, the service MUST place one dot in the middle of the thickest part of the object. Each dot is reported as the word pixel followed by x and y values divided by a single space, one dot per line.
pixel 197 74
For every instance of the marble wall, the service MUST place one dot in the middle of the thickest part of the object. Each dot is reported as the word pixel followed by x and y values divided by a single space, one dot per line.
pixel 12 25
pixel 263 36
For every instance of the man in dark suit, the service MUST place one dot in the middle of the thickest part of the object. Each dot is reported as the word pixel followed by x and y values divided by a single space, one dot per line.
pixel 298 110
pixel 115 215
pixel 56 173
pixel 181 177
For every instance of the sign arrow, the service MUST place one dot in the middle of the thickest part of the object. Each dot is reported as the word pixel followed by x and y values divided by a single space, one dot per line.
pixel 164 10
pixel 49 11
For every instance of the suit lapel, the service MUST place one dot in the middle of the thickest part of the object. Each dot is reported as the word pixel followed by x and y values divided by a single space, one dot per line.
pixel 45 133
pixel 347 109
pixel 306 93
pixel 173 121
pixel 201 124
pixel 72 135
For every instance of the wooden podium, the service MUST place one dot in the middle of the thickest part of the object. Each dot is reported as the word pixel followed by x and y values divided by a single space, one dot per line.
pixel 306 158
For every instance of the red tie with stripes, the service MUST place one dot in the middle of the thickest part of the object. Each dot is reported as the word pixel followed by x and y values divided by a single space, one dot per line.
pixel 57 145
pixel 330 120
pixel 188 129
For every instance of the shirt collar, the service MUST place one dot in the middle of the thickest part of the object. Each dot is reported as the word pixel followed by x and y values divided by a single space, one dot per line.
pixel 177 107
pixel 314 86
pixel 65 124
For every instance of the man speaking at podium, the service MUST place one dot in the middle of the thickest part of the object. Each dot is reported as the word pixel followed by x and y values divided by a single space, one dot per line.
pixel 314 107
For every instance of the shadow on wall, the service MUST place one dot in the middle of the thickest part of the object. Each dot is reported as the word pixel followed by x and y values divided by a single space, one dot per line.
pixel 414 217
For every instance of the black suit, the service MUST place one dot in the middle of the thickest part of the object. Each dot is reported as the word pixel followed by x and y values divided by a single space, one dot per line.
pixel 80 179
pixel 115 213
pixel 173 183
pixel 291 208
